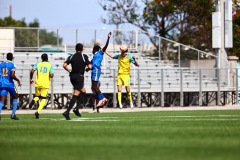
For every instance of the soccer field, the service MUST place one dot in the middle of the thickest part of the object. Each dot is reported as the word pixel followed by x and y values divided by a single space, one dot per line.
pixel 176 135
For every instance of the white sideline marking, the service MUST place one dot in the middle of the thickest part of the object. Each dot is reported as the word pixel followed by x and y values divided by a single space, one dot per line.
pixel 178 120
pixel 98 119
pixel 220 116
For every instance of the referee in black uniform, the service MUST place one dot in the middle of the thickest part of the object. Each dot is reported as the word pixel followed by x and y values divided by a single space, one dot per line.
pixel 78 61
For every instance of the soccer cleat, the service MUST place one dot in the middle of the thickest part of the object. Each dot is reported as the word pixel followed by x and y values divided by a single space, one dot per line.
pixel 120 105
pixel 66 115
pixel 131 105
pixel 76 111
pixel 37 115
pixel 14 117
pixel 102 102
pixel 31 104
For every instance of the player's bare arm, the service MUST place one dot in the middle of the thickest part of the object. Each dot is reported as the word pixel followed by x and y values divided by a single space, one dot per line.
pixel 109 54
pixel 51 75
pixel 89 67
pixel 65 66
pixel 136 63
pixel 31 76
pixel 15 78
pixel 106 45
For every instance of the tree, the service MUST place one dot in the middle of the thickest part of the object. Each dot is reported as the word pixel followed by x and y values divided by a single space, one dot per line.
pixel 236 29
pixel 27 37
pixel 187 21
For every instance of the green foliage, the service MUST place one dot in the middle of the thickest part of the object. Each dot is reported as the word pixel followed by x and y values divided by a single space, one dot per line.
pixel 188 22
pixel 28 37
pixel 236 31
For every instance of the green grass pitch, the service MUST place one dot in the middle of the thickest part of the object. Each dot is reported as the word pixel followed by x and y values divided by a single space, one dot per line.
pixel 163 135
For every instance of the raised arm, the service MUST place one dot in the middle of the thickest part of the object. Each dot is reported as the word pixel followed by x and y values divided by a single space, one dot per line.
pixel 106 45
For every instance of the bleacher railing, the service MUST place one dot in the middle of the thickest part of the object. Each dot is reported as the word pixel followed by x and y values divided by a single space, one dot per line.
pixel 162 81
pixel 137 41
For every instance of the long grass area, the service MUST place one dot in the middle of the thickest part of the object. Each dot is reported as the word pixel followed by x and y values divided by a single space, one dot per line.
pixel 163 135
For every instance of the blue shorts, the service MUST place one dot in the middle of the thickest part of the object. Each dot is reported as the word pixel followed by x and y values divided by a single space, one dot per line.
pixel 96 73
pixel 4 91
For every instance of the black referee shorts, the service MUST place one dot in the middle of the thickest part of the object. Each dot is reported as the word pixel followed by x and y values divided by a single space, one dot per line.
pixel 77 81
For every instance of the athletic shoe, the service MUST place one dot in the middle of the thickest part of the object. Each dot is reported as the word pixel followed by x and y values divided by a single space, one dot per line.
pixel 66 115
pixel 131 105
pixel 31 104
pixel 14 117
pixel 102 102
pixel 120 105
pixel 76 111
pixel 37 115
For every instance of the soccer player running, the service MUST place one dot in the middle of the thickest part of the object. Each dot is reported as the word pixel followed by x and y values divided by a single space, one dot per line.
pixel 7 85
pixel 96 71
pixel 45 72
pixel 123 77
pixel 78 61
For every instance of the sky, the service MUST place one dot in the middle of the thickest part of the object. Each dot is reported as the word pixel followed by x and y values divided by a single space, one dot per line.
pixel 56 13
pixel 62 14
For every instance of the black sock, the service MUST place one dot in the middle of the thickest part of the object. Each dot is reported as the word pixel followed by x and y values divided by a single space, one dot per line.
pixel 71 104
pixel 79 101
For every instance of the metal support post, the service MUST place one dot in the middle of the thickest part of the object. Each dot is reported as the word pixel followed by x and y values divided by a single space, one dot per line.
pixel 219 82
pixel 52 99
pixel 114 89
pixel 200 87
pixel 181 87
pixel 139 92
pixel 162 88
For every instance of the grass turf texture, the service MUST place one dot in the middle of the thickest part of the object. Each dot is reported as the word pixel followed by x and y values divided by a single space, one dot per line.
pixel 185 135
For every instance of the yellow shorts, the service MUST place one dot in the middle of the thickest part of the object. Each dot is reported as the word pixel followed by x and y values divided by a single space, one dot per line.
pixel 123 80
pixel 43 92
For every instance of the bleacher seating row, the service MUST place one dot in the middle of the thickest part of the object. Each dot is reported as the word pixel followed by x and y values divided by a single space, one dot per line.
pixel 150 78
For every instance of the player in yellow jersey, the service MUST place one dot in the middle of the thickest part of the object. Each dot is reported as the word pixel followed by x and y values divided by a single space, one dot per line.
pixel 42 82
pixel 123 77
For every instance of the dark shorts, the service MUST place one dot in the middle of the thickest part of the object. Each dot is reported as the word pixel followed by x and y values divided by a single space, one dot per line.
pixel 77 81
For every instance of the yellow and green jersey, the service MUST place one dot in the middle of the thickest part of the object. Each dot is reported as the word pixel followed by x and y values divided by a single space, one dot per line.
pixel 44 69
pixel 124 63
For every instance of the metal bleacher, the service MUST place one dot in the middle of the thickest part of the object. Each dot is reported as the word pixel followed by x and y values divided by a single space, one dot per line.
pixel 152 79
pixel 157 82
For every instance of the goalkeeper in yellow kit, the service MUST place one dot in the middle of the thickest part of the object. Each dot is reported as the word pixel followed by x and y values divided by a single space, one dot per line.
pixel 42 82
pixel 123 77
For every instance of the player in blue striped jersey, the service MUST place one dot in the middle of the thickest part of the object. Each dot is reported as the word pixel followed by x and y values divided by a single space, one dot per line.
pixel 7 76
pixel 96 71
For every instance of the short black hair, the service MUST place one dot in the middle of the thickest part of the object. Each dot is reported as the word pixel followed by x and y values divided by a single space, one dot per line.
pixel 9 56
pixel 79 47
pixel 96 48
pixel 44 57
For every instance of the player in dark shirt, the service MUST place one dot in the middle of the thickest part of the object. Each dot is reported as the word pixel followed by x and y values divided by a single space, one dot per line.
pixel 78 61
